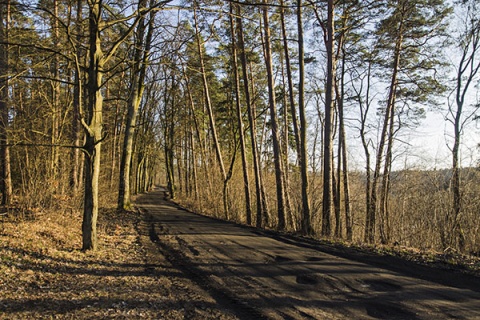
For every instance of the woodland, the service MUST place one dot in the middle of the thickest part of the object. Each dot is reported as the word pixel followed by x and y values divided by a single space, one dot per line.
pixel 246 111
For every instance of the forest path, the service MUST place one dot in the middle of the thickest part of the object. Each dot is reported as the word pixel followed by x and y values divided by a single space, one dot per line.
pixel 257 274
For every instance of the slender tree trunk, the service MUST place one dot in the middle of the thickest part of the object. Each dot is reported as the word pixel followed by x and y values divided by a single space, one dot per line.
pixel 306 219
pixel 208 105
pixel 77 102
pixel 246 179
pixel 114 145
pixel 457 232
pixel 337 188
pixel 274 123
pixel 291 95
pixel 388 117
pixel 385 188
pixel 141 56
pixel 197 131
pixel 54 161
pixel 169 134
pixel 292 221
pixel 327 142
pixel 467 72
pixel 343 153
pixel 260 196
pixel 194 165
pixel 6 180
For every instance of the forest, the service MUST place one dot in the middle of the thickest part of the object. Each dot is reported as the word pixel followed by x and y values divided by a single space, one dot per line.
pixel 285 115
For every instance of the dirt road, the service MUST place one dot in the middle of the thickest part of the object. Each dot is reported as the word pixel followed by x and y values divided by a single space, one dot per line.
pixel 256 274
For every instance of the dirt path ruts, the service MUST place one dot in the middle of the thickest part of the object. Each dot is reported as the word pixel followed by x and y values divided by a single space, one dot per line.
pixel 257 274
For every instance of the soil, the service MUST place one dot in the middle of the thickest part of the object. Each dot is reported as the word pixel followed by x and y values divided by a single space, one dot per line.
pixel 164 262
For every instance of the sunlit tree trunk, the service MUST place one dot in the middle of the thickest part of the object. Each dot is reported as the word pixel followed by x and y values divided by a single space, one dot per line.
pixel 306 219
pixel 140 63
pixel 343 154
pixel 55 126
pixel 274 123
pixel 77 101
pixel 291 95
pixel 467 72
pixel 93 127
pixel 6 179
pixel 261 205
pixel 246 179
pixel 327 138
pixel 384 139
pixel 211 116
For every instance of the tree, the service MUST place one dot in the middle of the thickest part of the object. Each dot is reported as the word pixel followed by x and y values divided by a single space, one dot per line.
pixel 467 73
pixel 139 69
pixel 306 219
pixel 92 120
pixel 246 180
pixel 329 34
pixel 261 202
pixel 211 116
pixel 410 30
pixel 273 121
pixel 6 179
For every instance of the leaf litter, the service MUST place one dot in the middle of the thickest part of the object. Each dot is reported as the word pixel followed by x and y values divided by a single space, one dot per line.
pixel 44 275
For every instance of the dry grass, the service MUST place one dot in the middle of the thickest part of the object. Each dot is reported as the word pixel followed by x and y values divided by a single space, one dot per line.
pixel 44 275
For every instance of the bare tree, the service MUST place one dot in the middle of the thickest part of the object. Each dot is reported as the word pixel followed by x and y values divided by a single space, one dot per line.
pixel 467 73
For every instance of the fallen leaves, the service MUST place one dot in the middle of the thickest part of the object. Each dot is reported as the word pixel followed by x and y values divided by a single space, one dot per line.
pixel 44 275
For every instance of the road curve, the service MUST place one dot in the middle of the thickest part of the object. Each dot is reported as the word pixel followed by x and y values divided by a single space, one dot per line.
pixel 256 274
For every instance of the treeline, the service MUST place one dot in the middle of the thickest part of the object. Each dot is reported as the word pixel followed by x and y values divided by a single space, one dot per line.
pixel 245 110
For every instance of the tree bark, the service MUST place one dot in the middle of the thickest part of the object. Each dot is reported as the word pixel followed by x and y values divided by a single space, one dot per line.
pixel 384 136
pixel 246 179
pixel 211 116
pixel 77 101
pixel 141 57
pixel 327 142
pixel 6 179
pixel 343 154
pixel 306 219
pixel 93 128
pixel 274 123
pixel 260 195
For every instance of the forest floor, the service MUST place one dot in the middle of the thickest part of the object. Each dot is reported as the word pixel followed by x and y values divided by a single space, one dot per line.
pixel 44 275
pixel 163 262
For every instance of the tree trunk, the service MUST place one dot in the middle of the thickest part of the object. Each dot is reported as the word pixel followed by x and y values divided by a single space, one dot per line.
pixel 343 154
pixel 169 134
pixel 291 95
pixel 55 126
pixel 385 188
pixel 93 128
pixel 260 196
pixel 246 179
pixel 211 117
pixel 306 219
pixel 77 103
pixel 274 123
pixel 327 142
pixel 141 56
pixel 6 179
pixel 389 112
